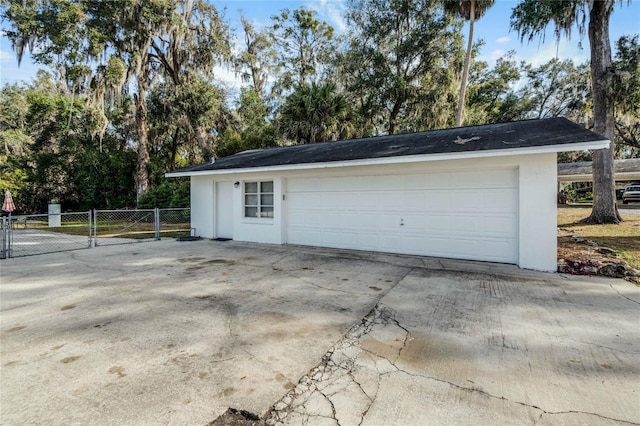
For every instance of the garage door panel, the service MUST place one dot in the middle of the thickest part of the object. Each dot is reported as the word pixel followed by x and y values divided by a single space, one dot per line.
pixel 437 180
pixel 305 236
pixel 436 201
pixel 500 250
pixel 469 215
pixel 437 245
pixel 331 220
pixel 365 201
pixel 309 217
pixel 332 238
pixel 467 200
pixel 498 200
pixel 393 200
pixel 369 241
pixel 305 201
pixel 414 222
pixel 467 224
pixel 304 185
pixel 438 222
pixel 415 200
pixel 390 242
pixel 482 179
pixel 503 225
pixel 390 221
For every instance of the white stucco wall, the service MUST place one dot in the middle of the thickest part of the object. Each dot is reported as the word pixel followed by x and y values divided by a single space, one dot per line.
pixel 538 213
pixel 258 230
pixel 537 201
pixel 202 205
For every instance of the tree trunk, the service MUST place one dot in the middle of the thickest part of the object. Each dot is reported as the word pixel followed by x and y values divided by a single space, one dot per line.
pixel 393 115
pixel 604 200
pixel 467 65
pixel 142 174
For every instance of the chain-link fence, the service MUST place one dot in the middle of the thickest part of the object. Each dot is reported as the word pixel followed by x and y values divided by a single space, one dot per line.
pixel 4 237
pixel 47 233
pixel 134 226
pixel 124 226
pixel 174 223
pixel 25 235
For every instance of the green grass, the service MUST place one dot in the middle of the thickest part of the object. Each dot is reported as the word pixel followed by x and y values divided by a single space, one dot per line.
pixel 113 229
pixel 624 237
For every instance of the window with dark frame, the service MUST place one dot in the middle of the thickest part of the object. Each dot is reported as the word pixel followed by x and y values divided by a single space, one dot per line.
pixel 258 199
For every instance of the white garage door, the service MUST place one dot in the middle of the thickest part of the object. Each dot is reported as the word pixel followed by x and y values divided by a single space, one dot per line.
pixel 464 215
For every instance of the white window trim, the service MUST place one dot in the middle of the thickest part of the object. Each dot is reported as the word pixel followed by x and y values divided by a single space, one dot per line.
pixel 261 219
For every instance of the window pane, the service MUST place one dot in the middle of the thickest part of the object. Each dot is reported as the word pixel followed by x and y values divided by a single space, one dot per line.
pixel 266 186
pixel 250 212
pixel 266 200
pixel 251 187
pixel 267 212
pixel 250 200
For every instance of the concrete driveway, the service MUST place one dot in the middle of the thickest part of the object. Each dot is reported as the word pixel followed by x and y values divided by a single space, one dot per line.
pixel 175 333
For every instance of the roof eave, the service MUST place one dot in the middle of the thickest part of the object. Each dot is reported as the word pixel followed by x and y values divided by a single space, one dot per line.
pixel 580 146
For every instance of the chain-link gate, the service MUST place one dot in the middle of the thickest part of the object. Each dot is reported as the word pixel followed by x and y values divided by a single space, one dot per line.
pixel 26 235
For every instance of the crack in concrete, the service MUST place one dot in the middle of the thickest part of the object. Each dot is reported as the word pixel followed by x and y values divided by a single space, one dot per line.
pixel 341 363
pixel 587 413
pixel 566 338
pixel 502 398
pixel 338 364
pixel 311 283
pixel 622 295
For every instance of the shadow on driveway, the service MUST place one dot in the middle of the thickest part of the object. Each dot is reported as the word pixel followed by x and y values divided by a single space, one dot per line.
pixel 175 333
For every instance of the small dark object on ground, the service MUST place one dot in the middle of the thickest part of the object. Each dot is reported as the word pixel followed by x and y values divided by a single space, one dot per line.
pixel 189 238
pixel 233 417
pixel 222 239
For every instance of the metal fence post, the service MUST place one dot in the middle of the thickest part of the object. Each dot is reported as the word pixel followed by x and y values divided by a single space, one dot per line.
pixel 9 235
pixel 157 222
pixel 89 230
pixel 95 228
pixel 4 238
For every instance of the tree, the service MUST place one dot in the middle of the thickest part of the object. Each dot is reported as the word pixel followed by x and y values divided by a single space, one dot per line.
pixel 250 128
pixel 159 37
pixel 627 94
pixel 315 113
pixel 182 120
pixel 59 158
pixel 469 10
pixel 399 63
pixel 531 18
pixel 102 47
pixel 304 43
pixel 490 95
pixel 256 60
pixel 558 88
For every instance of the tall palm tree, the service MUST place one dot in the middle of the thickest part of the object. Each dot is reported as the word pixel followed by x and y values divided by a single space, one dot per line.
pixel 469 10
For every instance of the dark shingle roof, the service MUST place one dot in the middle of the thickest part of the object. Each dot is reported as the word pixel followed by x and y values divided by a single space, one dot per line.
pixel 511 135
pixel 585 168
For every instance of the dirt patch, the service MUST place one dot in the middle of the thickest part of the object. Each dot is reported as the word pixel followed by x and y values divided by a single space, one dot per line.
pixel 233 417
pixel 580 256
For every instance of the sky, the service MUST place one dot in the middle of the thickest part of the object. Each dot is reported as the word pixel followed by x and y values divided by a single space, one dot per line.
pixel 493 28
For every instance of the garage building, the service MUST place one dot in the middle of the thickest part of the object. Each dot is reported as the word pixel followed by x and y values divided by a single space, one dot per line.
pixel 480 193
